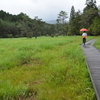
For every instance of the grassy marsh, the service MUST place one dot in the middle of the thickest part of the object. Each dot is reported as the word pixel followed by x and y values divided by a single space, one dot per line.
pixel 44 69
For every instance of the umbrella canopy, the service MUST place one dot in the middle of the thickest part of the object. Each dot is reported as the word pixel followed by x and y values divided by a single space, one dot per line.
pixel 83 29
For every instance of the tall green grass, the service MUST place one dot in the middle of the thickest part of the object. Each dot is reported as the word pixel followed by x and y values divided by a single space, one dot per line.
pixel 97 43
pixel 44 69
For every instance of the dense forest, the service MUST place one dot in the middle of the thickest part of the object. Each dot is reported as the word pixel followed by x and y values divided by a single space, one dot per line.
pixel 22 25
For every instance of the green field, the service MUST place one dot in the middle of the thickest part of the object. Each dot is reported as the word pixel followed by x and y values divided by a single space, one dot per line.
pixel 45 68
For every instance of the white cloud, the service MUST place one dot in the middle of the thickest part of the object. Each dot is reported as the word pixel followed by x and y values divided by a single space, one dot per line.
pixel 44 9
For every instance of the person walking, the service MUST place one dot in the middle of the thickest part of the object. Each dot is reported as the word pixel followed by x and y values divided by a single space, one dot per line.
pixel 84 35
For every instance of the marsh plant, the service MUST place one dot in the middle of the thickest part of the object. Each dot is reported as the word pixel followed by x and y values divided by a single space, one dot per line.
pixel 44 69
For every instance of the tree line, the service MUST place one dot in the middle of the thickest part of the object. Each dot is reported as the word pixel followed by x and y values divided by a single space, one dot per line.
pixel 89 18
pixel 22 25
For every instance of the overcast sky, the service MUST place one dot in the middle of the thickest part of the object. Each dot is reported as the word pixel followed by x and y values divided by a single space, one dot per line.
pixel 45 9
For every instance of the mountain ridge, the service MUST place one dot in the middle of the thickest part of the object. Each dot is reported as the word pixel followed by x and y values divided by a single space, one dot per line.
pixel 53 22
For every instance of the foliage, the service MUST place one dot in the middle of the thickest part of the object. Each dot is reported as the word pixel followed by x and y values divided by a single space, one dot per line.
pixel 8 28
pixel 61 22
pixel 94 29
pixel 72 13
pixel 74 22
pixel 37 26
pixel 90 4
pixel 29 35
pixel 62 16
pixel 20 25
pixel 88 16
pixel 87 19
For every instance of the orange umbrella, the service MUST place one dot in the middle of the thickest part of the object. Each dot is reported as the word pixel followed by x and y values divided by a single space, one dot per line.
pixel 83 29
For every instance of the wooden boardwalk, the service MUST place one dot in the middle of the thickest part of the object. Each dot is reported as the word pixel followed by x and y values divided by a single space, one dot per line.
pixel 92 55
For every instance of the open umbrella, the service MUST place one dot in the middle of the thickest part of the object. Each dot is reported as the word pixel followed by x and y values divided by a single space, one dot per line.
pixel 83 29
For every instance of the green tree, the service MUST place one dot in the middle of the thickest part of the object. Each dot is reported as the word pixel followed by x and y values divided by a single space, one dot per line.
pixel 88 17
pixel 72 21
pixel 29 34
pixel 89 13
pixel 72 14
pixel 24 24
pixel 58 25
pixel 62 16
pixel 37 26
pixel 52 30
pixel 94 29
pixel 7 28
pixel 21 25
pixel 61 21
pixel 90 4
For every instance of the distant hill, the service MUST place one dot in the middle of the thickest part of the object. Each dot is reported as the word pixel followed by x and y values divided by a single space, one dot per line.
pixel 53 22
